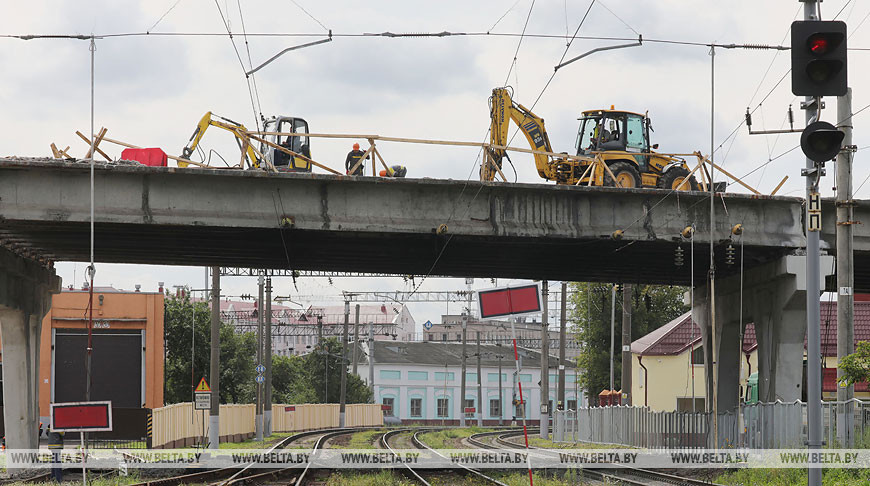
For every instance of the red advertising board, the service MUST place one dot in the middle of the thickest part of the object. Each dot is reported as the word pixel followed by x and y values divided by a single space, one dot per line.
pixel 291 408
pixel 509 300
pixel 81 416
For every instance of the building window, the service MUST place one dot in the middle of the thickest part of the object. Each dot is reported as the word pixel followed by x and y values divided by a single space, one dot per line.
pixel 572 404
pixel 388 406
pixel 459 336
pixel 441 376
pixel 469 403
pixel 418 375
pixel 431 337
pixel 495 408
pixel 391 375
pixel 416 407
pixel 444 337
pixel 518 410
pixel 698 355
pixel 443 407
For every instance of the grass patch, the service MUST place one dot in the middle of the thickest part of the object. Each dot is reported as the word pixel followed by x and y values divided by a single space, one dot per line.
pixel 549 444
pixel 447 438
pixel 253 443
pixel 793 477
pixel 384 477
pixel 365 439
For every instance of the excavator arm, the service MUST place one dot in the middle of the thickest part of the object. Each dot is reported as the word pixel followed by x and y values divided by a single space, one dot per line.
pixel 231 126
pixel 502 111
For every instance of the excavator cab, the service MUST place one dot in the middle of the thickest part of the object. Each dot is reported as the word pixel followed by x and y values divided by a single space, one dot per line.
pixel 615 131
pixel 299 144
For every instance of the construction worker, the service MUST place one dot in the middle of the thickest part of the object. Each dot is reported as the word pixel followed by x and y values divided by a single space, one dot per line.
pixel 55 445
pixel 353 157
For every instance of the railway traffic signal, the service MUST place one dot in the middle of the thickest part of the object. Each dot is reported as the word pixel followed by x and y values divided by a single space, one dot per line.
pixel 818 58
pixel 821 141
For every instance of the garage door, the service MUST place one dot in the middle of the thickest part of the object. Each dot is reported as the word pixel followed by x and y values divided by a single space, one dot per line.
pixel 116 366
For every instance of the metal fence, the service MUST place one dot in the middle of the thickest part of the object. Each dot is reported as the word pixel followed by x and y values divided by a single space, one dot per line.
pixel 757 426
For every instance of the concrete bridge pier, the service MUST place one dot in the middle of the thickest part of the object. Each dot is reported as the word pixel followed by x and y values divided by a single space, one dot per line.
pixel 774 299
pixel 26 287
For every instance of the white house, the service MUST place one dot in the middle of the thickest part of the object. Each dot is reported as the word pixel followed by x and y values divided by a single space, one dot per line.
pixel 420 382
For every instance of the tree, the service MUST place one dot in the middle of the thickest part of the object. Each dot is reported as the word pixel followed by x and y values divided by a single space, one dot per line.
pixel 295 379
pixel 237 351
pixel 652 307
pixel 324 375
pixel 856 366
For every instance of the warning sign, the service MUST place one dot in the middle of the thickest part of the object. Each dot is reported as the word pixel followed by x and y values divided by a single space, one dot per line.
pixel 203 386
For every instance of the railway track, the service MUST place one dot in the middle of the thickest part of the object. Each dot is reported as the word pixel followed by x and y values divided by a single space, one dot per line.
pixel 623 475
pixel 460 468
pixel 235 475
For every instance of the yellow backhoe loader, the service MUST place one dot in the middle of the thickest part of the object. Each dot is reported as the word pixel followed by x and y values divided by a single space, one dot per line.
pixel 610 145
pixel 267 153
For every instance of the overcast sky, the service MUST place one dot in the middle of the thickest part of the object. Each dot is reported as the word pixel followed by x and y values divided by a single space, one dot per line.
pixel 150 90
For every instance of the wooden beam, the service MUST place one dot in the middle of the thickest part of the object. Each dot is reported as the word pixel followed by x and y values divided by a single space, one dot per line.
pixel 87 141
pixel 290 152
pixel 778 186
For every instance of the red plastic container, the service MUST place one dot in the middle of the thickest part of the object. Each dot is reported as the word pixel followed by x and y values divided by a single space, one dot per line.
pixel 153 157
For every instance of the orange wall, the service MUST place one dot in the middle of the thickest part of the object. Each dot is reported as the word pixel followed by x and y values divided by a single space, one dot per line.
pixel 145 308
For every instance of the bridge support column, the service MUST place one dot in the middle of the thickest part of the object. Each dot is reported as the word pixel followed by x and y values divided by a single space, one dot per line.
pixel 25 297
pixel 774 299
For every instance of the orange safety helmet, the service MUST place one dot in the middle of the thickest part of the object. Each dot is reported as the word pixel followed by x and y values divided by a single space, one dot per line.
pixel 356 146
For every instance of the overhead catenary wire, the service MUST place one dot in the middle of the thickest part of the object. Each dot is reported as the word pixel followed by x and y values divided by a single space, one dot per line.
pixel 163 16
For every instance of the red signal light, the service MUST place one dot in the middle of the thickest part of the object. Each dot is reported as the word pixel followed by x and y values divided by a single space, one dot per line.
pixel 818 45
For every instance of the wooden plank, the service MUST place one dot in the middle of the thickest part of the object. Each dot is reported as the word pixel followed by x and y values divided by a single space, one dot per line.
pixel 778 186
pixel 96 146
pixel 733 177
pixel 288 151
pixel 177 159
pixel 87 141
pixel 54 151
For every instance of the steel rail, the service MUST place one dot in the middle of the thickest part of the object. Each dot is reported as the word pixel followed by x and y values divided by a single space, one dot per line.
pixel 421 445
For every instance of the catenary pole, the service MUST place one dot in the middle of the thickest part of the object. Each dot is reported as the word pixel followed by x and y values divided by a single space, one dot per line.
pixel 267 412
pixel 612 332
pixel 562 335
pixel 845 269
pixel 814 372
pixel 479 385
pixel 215 361
pixel 343 397
pixel 545 362
pixel 259 414
pixel 500 394
pixel 625 382
pixel 356 340
pixel 462 383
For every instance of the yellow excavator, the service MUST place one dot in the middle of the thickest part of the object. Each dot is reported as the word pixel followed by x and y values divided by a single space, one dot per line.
pixel 607 139
pixel 253 158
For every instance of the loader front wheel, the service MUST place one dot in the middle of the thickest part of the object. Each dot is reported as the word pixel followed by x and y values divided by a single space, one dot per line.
pixel 678 179
pixel 626 175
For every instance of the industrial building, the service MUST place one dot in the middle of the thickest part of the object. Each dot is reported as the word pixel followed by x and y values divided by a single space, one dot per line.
pixel 128 348
pixel 420 382
pixel 493 331
pixel 296 331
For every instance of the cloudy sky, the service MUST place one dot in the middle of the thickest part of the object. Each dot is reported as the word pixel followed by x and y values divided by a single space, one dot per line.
pixel 151 89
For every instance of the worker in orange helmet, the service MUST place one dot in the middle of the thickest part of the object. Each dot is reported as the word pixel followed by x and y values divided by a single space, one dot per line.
pixel 353 157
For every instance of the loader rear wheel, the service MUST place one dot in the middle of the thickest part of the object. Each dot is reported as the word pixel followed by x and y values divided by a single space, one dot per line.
pixel 626 174
pixel 675 180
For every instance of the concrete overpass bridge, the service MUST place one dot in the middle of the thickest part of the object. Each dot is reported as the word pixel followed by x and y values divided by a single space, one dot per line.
pixel 254 219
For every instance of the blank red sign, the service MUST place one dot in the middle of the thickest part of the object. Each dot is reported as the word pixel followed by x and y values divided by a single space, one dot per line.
pixel 93 416
pixel 508 301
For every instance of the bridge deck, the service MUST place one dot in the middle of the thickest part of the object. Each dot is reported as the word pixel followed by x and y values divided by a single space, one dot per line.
pixel 201 217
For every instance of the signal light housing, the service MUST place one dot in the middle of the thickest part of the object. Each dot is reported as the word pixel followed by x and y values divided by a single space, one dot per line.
pixel 818 58
pixel 821 141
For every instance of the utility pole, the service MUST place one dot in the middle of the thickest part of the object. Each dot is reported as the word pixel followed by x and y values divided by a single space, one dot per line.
pixel 343 398
pixel 612 331
pixel 215 360
pixel 465 318
pixel 562 326
pixel 845 269
pixel 372 359
pixel 500 394
pixel 626 344
pixel 545 364
pixel 356 340
pixel 267 414
pixel 479 385
pixel 320 331
pixel 259 417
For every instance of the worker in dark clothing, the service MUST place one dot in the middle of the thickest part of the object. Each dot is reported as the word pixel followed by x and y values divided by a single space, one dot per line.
pixel 55 445
pixel 353 157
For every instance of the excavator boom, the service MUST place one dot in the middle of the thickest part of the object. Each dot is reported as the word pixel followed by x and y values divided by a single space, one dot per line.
pixel 231 126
